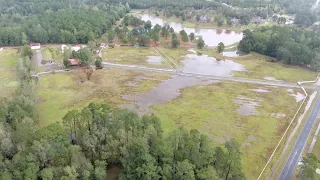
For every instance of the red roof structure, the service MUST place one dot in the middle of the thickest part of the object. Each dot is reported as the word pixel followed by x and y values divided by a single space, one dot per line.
pixel 74 62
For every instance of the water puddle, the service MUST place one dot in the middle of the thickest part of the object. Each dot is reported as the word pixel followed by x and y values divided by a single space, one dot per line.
pixel 271 78
pixel 278 115
pixel 260 90
pixel 212 37
pixel 231 54
pixel 192 50
pixel 136 80
pixel 164 92
pixel 298 96
pixel 247 106
pixel 203 64
pixel 156 60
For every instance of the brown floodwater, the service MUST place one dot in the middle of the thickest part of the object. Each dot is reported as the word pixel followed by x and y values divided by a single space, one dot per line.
pixel 211 37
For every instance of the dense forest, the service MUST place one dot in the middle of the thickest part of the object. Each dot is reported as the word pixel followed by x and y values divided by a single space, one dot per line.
pixel 289 45
pixel 98 137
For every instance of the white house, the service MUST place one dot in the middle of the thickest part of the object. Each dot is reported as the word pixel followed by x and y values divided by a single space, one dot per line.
pixel 76 47
pixel 35 46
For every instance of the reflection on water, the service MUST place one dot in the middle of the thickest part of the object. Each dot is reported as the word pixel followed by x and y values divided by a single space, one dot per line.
pixel 211 37
pixel 203 64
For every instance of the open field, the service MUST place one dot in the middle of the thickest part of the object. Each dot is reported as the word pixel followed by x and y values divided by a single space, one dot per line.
pixel 259 66
pixel 212 110
pixel 8 78
pixel 58 93
pixel 141 56
pixel 256 66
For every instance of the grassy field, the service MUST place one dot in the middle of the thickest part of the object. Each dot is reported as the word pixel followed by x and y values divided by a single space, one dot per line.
pixel 212 110
pixel 259 66
pixel 59 93
pixel 52 52
pixel 139 56
pixel 8 78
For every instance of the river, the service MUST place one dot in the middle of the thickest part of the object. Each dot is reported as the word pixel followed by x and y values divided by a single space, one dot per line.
pixel 211 37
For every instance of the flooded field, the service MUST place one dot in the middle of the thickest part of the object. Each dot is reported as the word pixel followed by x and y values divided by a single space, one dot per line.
pixel 212 37
pixel 164 92
pixel 203 64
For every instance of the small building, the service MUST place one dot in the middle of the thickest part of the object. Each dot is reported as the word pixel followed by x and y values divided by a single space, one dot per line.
pixel 35 46
pixel 1 48
pixel 74 62
pixel 76 47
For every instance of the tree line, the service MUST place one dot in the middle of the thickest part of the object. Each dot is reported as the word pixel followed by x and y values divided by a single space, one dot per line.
pixel 63 26
pixel 287 44
pixel 144 33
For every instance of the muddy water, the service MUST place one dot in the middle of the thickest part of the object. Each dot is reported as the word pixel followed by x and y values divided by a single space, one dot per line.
pixel 204 64
pixel 164 92
pixel 211 37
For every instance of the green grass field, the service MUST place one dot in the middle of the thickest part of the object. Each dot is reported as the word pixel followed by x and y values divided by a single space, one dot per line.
pixel 8 78
pixel 212 110
pixel 139 56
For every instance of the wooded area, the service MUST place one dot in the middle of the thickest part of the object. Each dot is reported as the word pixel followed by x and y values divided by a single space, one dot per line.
pixel 78 25
pixel 289 45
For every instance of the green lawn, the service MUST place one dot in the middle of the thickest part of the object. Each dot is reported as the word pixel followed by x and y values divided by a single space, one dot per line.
pixel 8 78
pixel 212 110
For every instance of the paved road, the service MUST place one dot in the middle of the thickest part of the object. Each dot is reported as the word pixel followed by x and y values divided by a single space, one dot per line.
pixel 294 158
pixel 222 78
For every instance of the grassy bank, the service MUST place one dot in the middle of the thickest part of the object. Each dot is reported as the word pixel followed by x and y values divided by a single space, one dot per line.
pixel 8 78
pixel 212 110
pixel 258 66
